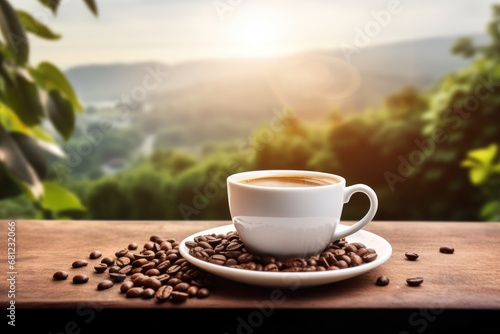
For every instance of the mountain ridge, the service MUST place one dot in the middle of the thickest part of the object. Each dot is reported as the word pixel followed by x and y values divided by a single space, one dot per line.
pixel 382 69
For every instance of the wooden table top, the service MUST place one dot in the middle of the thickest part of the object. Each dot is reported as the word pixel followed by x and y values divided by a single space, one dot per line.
pixel 468 279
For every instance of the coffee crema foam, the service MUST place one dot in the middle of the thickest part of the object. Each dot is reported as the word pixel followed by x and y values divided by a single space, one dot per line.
pixel 290 181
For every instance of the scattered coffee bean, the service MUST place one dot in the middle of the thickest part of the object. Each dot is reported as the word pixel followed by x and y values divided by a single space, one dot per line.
pixel 95 255
pixel 164 292
pixel 414 281
pixel 447 250
pixel 411 256
pixel 109 261
pixel 60 275
pixel 179 296
pixel 106 284
pixel 102 267
pixel 152 271
pixel 159 270
pixel 148 293
pixel 80 279
pixel 79 263
pixel 134 292
pixel 126 286
pixel 117 277
pixel 193 291
pixel 121 252
pixel 203 293
pixel 382 281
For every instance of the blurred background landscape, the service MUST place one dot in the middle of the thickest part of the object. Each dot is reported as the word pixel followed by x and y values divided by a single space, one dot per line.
pixel 168 98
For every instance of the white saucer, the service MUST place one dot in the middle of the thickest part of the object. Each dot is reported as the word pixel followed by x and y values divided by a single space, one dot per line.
pixel 297 279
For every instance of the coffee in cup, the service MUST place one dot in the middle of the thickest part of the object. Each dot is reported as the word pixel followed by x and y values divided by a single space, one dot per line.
pixel 292 213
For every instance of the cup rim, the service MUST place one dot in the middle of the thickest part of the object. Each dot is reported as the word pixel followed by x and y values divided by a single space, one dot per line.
pixel 234 178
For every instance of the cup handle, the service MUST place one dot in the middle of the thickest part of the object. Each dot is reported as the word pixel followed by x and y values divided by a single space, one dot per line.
pixel 348 192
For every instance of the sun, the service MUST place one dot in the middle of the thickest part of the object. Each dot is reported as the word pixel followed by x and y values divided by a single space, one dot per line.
pixel 258 35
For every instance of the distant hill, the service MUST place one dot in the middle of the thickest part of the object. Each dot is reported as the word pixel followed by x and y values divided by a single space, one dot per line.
pixel 305 82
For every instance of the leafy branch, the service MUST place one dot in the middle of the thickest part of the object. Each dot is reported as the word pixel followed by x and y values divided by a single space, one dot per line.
pixel 32 96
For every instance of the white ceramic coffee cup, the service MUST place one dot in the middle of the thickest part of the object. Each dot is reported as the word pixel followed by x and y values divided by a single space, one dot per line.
pixel 292 221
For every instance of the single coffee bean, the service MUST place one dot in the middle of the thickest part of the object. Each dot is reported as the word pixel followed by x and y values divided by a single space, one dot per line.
pixel 152 272
pixel 152 283
pixel 126 269
pixel 126 286
pixel 351 248
pixel 117 277
pixel 109 261
pixel 369 257
pixel 179 296
pixel 106 284
pixel 411 256
pixel 79 263
pixel 183 287
pixel 447 250
pixel 121 252
pixel 414 281
pixel 148 293
pixel 122 261
pixel 192 291
pixel 382 281
pixel 132 246
pixel 203 293
pixel 102 267
pixel 95 255
pixel 80 279
pixel 358 245
pixel 114 269
pixel 164 292
pixel 60 275
pixel 134 292
pixel 356 260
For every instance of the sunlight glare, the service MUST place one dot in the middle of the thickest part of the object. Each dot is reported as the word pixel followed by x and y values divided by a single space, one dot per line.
pixel 258 34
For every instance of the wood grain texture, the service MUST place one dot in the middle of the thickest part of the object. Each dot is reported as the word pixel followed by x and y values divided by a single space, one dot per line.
pixel 468 279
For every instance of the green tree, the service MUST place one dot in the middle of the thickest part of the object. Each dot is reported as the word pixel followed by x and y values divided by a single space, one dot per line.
pixel 462 117
pixel 31 95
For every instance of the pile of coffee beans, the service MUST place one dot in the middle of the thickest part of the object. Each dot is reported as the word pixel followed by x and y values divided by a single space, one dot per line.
pixel 228 250
pixel 157 271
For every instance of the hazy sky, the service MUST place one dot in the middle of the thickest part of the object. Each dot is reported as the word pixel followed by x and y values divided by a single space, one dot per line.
pixel 179 30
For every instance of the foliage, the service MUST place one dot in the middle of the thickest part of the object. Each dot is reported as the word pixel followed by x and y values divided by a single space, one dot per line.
pixel 168 185
pixel 483 165
pixel 463 117
pixel 30 96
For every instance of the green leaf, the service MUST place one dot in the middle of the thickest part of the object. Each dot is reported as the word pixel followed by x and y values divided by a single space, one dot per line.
pixel 9 187
pixel 17 165
pixel 478 175
pixel 11 122
pixel 52 4
pixel 469 163
pixel 50 77
pixel 484 155
pixel 57 199
pixel 61 114
pixel 13 32
pixel 33 26
pixel 33 152
pixel 491 211
pixel 496 168
pixel 23 97
pixel 92 6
